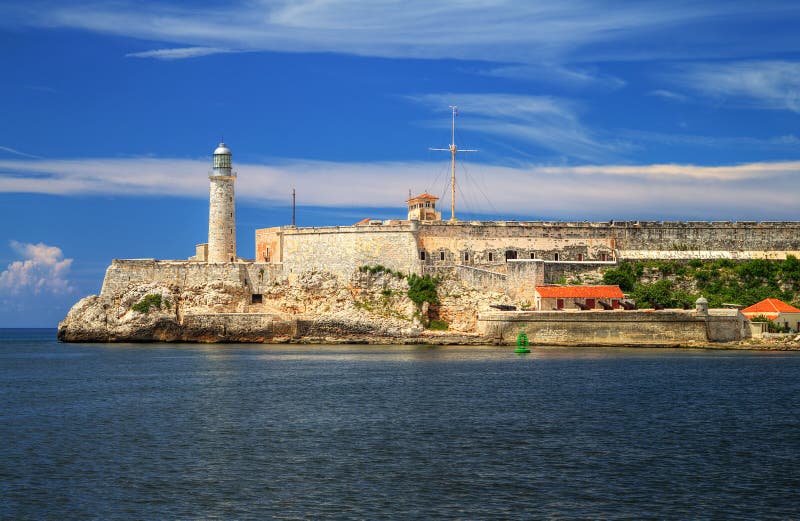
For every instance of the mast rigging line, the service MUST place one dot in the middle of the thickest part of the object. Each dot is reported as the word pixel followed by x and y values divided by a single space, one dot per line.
pixel 453 149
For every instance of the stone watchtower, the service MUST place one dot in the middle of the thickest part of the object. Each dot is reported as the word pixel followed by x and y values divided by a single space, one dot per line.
pixel 222 210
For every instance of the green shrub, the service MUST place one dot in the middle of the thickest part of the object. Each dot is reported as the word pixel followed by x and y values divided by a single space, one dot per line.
pixel 153 300
pixel 657 294
pixel 624 277
pixel 372 270
pixel 438 325
pixel 422 289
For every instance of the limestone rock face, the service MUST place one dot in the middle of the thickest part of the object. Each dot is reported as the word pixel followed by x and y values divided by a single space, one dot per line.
pixel 99 318
pixel 312 305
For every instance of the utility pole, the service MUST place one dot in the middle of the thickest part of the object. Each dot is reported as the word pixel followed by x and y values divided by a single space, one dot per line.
pixel 453 150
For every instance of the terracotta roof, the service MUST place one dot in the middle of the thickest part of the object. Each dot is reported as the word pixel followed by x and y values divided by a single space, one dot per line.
pixel 770 305
pixel 363 221
pixel 423 197
pixel 579 292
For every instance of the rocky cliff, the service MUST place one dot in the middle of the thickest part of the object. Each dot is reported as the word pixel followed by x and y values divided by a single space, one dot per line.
pixel 139 305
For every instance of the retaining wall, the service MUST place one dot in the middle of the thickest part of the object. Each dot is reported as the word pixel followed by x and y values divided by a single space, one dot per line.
pixel 642 327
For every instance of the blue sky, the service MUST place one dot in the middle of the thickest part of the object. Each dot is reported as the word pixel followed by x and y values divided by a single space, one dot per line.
pixel 581 110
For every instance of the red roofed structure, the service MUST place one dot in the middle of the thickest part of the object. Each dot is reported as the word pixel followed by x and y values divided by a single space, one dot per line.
pixel 777 311
pixel 423 208
pixel 578 297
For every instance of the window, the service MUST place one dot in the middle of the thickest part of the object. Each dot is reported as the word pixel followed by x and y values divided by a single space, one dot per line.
pixel 422 255
pixel 491 257
pixel 560 303
pixel 256 298
pixel 511 254
pixel 603 257
pixel 580 256
pixel 555 256
pixel 428 204
pixel 533 255
pixel 466 256
pixel 441 255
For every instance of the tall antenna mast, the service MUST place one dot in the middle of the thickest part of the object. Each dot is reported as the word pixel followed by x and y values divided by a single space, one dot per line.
pixel 293 205
pixel 453 150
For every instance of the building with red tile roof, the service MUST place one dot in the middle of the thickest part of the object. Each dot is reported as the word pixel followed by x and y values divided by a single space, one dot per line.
pixel 777 311
pixel 423 208
pixel 577 297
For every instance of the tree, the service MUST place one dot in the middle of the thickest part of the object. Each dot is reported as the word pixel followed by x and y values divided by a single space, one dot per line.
pixel 624 277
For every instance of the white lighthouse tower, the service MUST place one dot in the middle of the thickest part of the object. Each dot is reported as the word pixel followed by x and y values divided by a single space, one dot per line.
pixel 222 209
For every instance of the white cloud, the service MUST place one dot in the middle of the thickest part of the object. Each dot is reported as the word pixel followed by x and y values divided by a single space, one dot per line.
pixel 747 191
pixel 668 94
pixel 763 84
pixel 42 270
pixel 179 53
pixel 529 31
pixel 17 152
pixel 571 77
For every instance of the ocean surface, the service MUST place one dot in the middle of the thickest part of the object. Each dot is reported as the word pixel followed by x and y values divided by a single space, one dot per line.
pixel 235 432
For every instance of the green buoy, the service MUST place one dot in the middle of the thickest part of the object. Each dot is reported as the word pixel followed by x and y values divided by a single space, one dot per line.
pixel 522 343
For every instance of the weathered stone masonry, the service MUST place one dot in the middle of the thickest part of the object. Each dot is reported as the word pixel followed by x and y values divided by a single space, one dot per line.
pixel 413 246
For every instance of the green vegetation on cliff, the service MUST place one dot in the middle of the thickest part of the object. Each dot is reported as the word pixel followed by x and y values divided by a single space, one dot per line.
pixel 679 283
pixel 151 301
pixel 422 289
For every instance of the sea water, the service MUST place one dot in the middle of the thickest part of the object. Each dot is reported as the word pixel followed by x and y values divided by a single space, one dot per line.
pixel 199 432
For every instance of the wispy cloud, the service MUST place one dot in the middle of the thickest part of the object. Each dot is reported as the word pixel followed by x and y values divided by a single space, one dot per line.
pixel 668 94
pixel 179 53
pixel 570 77
pixel 743 191
pixel 17 152
pixel 532 31
pixel 762 84
pixel 43 269
pixel 548 122
pixel 787 143
pixel 41 88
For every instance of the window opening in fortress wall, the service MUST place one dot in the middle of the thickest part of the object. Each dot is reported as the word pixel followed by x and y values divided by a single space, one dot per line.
pixel 466 256
pixel 422 255
pixel 441 255
pixel 555 256
pixel 511 254
pixel 580 256
pixel 256 298
pixel 491 257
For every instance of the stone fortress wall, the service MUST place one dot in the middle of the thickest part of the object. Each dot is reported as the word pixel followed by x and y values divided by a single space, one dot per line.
pixel 464 249
pixel 252 277
pixel 340 249
pixel 417 247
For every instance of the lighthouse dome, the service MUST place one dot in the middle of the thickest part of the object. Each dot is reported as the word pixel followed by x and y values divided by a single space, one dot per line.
pixel 222 149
